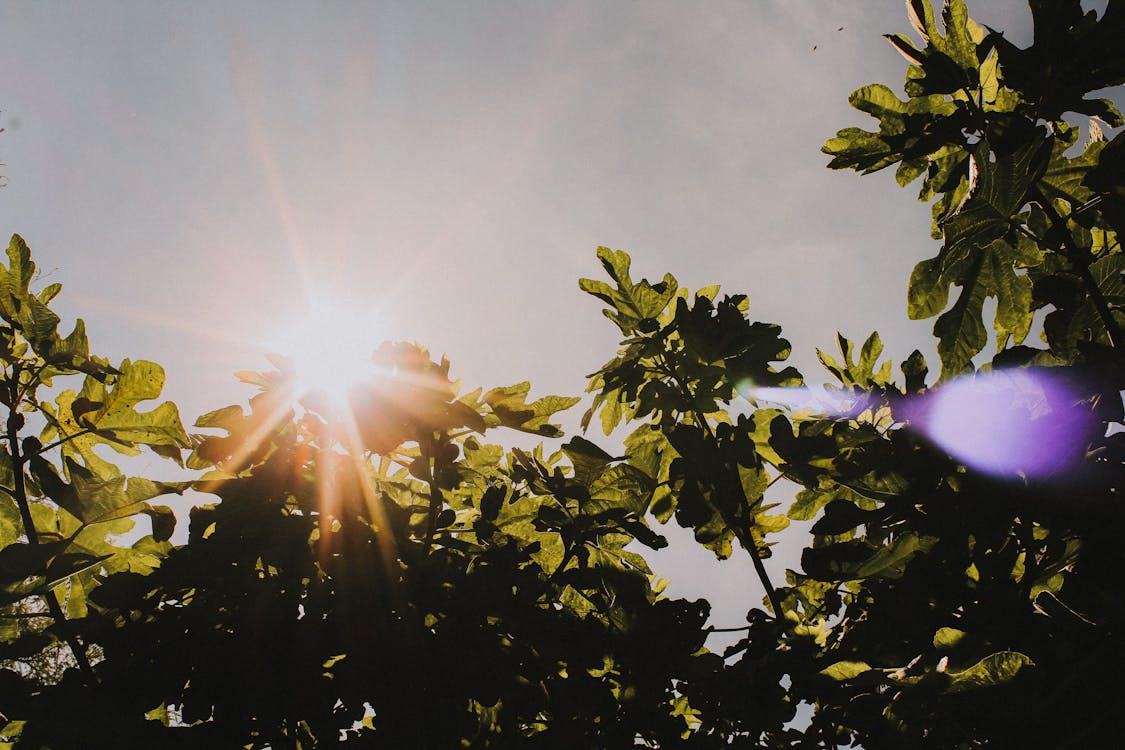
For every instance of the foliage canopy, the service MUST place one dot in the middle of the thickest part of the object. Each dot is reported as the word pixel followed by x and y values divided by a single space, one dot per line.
pixel 377 573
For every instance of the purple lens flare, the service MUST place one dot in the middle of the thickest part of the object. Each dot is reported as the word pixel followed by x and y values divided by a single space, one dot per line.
pixel 1034 422
pixel 1028 422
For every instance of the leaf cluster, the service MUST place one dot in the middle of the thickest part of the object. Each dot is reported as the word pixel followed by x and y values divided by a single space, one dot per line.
pixel 1028 215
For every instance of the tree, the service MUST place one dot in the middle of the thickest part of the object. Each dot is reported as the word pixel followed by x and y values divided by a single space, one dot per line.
pixel 376 573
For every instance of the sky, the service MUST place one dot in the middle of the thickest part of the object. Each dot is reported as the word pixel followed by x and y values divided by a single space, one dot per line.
pixel 191 171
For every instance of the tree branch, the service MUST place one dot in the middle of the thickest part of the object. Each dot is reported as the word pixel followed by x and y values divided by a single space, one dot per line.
pixel 745 536
pixel 1082 267
pixel 19 493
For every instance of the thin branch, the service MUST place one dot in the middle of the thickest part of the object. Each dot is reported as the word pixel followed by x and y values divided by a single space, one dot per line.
pixel 64 440
pixel 772 482
pixel 725 630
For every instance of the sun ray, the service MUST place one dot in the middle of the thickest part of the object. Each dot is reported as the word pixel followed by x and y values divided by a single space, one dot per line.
pixel 279 412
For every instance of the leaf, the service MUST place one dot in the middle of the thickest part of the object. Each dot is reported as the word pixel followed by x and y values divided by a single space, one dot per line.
pixel 116 421
pixel 11 526
pixel 809 502
pixel 20 560
pixel 902 132
pixel 960 330
pixel 990 272
pixel 921 16
pixel 845 670
pixel 947 638
pixel 1003 182
pixel 926 295
pixel 1074 53
pixel 853 560
pixel 1076 318
pixel 992 670
pixel 139 381
pixel 839 516
pixel 588 459
pixel 891 560
pixel 510 407
pixel 633 306
pixel 905 48
pixel 16 278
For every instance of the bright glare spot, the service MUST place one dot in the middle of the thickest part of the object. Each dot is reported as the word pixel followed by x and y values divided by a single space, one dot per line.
pixel 841 404
pixel 330 346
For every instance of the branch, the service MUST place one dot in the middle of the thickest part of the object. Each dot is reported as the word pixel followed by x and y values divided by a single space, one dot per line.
pixel 434 491
pixel 745 536
pixel 1071 251
pixel 19 493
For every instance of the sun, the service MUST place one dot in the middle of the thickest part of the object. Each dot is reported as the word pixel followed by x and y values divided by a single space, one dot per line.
pixel 329 346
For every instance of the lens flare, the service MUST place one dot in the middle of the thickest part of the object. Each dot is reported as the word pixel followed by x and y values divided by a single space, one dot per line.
pixel 1030 422
pixel 1007 422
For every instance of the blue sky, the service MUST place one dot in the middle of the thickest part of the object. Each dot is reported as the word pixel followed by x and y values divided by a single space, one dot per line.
pixel 188 171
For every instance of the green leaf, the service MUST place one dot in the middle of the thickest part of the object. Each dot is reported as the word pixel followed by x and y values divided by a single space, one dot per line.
pixel 74 420
pixel 992 670
pixel 510 407
pixel 633 307
pixel 853 560
pixel 139 381
pixel 808 503
pixel 845 670
pixel 588 459
pixel 947 638
pixel 926 295
pixel 891 560
pixel 905 48
pixel 11 526
pixel 960 330
pixel 1001 190
pixel 16 278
